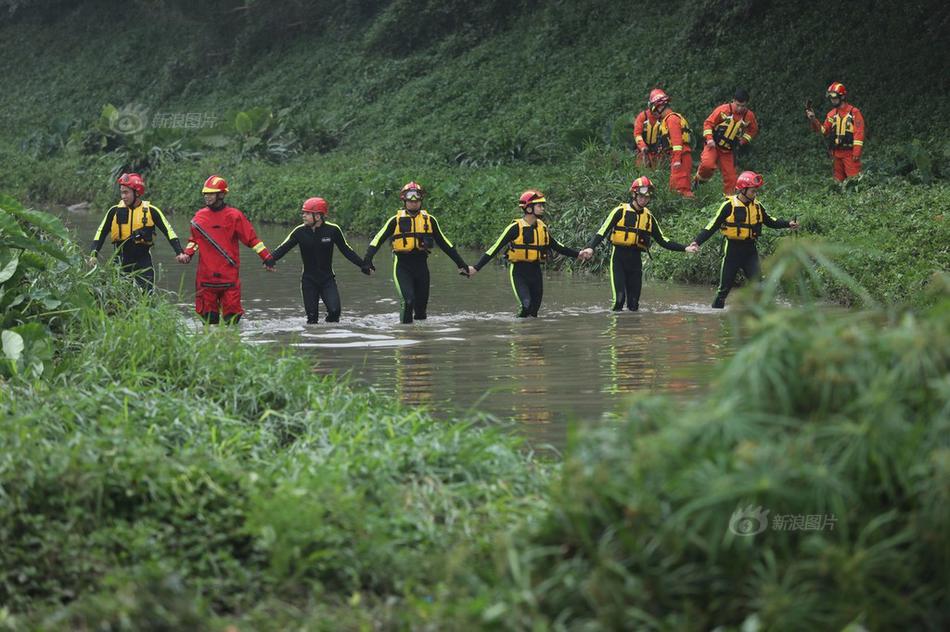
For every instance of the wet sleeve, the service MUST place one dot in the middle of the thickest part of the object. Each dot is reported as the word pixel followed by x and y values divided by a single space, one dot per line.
pixel 384 233
pixel 344 246
pixel 248 236
pixel 506 237
pixel 287 245
pixel 446 245
pixel 562 249
pixel 658 236
pixel 100 235
pixel 166 229
pixel 713 224
pixel 612 218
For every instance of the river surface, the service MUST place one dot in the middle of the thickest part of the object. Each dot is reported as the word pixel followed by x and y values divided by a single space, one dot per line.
pixel 578 361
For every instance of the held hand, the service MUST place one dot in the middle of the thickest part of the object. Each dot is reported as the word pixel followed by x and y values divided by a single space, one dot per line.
pixel 367 269
pixel 693 247
pixel 471 271
pixel 183 258
pixel 463 271
pixel 793 224
pixel 586 254
pixel 93 261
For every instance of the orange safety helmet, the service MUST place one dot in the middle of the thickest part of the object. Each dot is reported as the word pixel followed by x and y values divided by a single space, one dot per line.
pixel 316 205
pixel 134 181
pixel 641 183
pixel 837 89
pixel 749 180
pixel 215 184
pixel 411 186
pixel 530 197
pixel 658 99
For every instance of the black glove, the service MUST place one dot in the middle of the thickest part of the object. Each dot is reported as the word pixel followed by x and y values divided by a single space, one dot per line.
pixel 366 267
pixel 270 262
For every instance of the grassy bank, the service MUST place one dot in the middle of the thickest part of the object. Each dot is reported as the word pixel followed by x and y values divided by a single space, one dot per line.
pixel 157 478
pixel 351 103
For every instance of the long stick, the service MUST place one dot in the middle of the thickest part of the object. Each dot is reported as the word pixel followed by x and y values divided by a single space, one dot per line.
pixel 216 245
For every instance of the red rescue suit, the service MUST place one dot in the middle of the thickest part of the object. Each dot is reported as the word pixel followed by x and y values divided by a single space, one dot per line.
pixel 218 281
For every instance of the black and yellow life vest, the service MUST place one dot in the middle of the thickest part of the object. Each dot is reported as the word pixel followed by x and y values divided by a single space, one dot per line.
pixel 842 129
pixel 684 126
pixel 137 224
pixel 633 228
pixel 653 136
pixel 728 131
pixel 743 222
pixel 531 244
pixel 413 232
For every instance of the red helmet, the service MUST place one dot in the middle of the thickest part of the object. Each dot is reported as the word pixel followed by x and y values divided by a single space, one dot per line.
pixel 134 181
pixel 837 89
pixel 404 193
pixel 658 99
pixel 530 197
pixel 316 205
pixel 642 185
pixel 749 180
pixel 215 184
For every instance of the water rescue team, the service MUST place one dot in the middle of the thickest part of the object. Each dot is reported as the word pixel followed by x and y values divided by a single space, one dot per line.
pixel 660 134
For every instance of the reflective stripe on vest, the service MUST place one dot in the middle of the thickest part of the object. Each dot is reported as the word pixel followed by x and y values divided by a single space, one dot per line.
pixel 842 128
pixel 127 221
pixel 743 222
pixel 413 232
pixel 531 244
pixel 633 228
pixel 684 127
pixel 728 130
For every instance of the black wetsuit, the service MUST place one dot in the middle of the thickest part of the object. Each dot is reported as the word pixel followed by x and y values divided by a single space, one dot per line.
pixel 626 262
pixel 411 269
pixel 134 253
pixel 317 281
pixel 738 254
pixel 527 279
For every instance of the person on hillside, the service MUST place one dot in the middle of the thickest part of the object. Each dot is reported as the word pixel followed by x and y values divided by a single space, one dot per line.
pixel 631 228
pixel 413 233
pixel 216 231
pixel 739 219
pixel 844 129
pixel 317 238
pixel 729 126
pixel 131 225
pixel 529 243
pixel 652 146
pixel 675 128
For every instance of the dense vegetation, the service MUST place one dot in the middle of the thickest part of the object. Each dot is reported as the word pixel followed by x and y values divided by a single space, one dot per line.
pixel 151 478
pixel 350 100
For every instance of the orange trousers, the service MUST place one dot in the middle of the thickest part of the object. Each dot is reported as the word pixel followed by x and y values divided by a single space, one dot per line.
pixel 845 166
pixel 680 176
pixel 713 157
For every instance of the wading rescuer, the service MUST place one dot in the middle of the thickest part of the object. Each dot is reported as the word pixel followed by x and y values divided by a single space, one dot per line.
pixel 529 244
pixel 739 219
pixel 414 233
pixel 131 224
pixel 216 231
pixel 631 229
pixel 844 130
pixel 317 238
pixel 675 128
pixel 729 126
pixel 652 145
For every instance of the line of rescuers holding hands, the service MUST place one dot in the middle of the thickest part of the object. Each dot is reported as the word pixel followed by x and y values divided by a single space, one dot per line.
pixel 413 232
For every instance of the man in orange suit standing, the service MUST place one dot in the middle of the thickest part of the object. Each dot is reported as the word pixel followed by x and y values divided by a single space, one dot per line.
pixel 675 128
pixel 844 129
pixel 729 126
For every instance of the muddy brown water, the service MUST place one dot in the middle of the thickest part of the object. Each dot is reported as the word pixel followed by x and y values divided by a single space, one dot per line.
pixel 578 361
